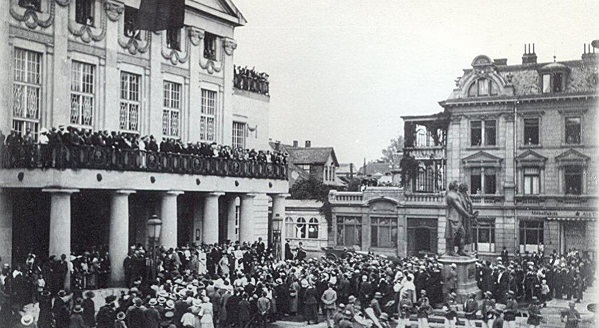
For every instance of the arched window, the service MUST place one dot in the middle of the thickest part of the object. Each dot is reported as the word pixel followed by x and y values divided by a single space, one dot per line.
pixel 300 228
pixel 289 227
pixel 483 87
pixel 313 228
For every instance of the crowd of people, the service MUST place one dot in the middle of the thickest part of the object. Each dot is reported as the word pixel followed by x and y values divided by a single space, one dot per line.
pixel 58 147
pixel 243 285
pixel 250 80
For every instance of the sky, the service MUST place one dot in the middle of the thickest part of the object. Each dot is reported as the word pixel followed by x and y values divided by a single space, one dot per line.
pixel 343 72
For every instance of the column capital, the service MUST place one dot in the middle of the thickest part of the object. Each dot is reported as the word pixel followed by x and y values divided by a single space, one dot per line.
pixel 173 192
pixel 214 194
pixel 60 190
pixel 286 195
pixel 124 192
pixel 249 195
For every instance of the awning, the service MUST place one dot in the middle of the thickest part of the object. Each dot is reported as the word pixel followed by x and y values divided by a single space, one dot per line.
pixel 576 218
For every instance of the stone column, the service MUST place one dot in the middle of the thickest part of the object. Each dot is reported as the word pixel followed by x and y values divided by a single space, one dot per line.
pixel 246 221
pixel 210 219
pixel 60 225
pixel 278 208
pixel 5 226
pixel 168 215
pixel 232 206
pixel 118 244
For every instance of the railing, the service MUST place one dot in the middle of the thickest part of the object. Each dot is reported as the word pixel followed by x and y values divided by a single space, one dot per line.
pixel 346 197
pixel 424 198
pixel 419 153
pixel 487 199
pixel 108 158
pixel 556 200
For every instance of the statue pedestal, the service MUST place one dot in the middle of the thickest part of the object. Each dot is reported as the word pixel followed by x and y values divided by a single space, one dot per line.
pixel 466 269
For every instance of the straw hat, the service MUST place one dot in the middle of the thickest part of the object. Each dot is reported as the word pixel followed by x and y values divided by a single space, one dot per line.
pixel 27 320
pixel 120 316
pixel 77 309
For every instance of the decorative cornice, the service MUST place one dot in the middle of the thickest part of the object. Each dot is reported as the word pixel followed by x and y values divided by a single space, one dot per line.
pixel 135 46
pixel 30 35
pixel 229 45
pixel 113 9
pixel 86 49
pixel 30 17
pixel 195 35
pixel 63 3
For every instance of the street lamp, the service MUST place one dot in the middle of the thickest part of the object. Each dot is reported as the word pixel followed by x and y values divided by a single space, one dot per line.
pixel 277 223
pixel 153 225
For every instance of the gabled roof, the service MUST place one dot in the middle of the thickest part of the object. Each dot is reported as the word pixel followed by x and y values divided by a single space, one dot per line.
pixel 311 155
pixel 223 9
pixel 480 159
pixel 572 156
pixel 374 168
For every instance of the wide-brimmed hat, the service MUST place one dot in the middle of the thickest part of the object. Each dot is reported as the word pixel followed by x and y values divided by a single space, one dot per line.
pixel 197 302
pixel 120 316
pixel 170 304
pixel 378 295
pixel 351 298
pixel 162 293
pixel 27 320
pixel 77 309
pixel 488 293
pixel 152 302
pixel 161 300
pixel 384 316
pixel 169 314
pixel 62 293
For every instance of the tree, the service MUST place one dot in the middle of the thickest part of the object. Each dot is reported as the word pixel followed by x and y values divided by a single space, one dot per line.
pixel 395 146
pixel 315 189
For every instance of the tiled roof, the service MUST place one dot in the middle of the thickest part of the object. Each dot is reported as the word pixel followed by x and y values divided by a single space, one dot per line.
pixel 311 155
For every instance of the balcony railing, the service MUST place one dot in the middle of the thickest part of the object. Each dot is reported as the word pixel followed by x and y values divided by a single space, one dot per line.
pixel 108 158
pixel 557 200
pixel 420 153
pixel 435 198
pixel 346 197
pixel 487 199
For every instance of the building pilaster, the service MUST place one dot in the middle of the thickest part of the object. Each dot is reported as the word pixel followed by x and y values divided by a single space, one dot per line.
pixel 5 226
pixel 210 219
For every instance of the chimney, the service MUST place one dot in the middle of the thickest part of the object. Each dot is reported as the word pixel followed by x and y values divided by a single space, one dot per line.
pixel 589 54
pixel 277 145
pixel 351 170
pixel 500 61
pixel 295 143
pixel 529 56
pixel 308 143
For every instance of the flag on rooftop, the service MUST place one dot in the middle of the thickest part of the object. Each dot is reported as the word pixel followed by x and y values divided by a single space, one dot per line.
pixel 158 15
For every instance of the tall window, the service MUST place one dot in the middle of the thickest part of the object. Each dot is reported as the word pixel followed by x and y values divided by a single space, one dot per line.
pixel 300 228
pixel 172 109
pixel 532 180
pixel 210 46
pixel 130 102
pixel 238 135
pixel 483 87
pixel 349 230
pixel 383 232
pixel 573 179
pixel 31 4
pixel 84 12
pixel 130 17
pixel 313 228
pixel 82 93
pixel 483 133
pixel 208 116
pixel 573 130
pixel 483 180
pixel 484 235
pixel 531 235
pixel 27 88
pixel 531 131
pixel 289 227
pixel 173 39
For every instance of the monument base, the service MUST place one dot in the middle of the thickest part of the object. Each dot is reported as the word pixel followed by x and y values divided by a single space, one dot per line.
pixel 466 270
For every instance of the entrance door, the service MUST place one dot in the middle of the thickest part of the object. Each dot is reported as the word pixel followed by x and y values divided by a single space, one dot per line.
pixel 422 236
pixel 574 235
pixel 422 239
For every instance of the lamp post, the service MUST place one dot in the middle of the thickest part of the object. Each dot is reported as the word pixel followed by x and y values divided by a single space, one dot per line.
pixel 153 225
pixel 277 221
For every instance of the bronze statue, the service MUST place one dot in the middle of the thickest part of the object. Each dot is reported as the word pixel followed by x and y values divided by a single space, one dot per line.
pixel 456 214
pixel 467 222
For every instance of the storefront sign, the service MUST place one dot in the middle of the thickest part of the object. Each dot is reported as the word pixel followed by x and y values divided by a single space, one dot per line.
pixel 566 214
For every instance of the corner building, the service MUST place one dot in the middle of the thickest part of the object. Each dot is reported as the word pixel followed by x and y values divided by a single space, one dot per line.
pixel 80 63
pixel 521 136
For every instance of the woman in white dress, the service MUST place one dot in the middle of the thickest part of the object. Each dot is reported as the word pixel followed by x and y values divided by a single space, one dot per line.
pixel 206 313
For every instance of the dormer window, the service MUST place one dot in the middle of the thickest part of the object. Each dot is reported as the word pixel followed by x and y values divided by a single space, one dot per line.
pixel 31 4
pixel 553 82
pixel 173 39
pixel 483 87
pixel 210 46
pixel 84 12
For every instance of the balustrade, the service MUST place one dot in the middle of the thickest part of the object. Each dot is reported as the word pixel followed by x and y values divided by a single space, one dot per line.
pixel 107 158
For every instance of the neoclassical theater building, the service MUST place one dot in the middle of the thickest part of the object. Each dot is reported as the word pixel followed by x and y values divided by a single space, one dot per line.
pixel 81 64
pixel 523 138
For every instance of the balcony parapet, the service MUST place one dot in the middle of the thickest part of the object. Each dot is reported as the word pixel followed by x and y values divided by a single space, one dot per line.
pixel 557 200
pixel 429 198
pixel 487 199
pixel 108 158
pixel 346 197
pixel 423 153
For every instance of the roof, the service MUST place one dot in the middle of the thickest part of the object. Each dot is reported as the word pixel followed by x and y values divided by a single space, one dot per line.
pixel 374 168
pixel 311 155
pixel 525 80
pixel 223 9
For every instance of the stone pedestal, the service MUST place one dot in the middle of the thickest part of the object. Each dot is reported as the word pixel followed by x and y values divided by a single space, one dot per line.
pixel 466 269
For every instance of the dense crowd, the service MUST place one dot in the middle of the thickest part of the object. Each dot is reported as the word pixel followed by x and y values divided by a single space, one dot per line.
pixel 250 80
pixel 56 146
pixel 243 285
